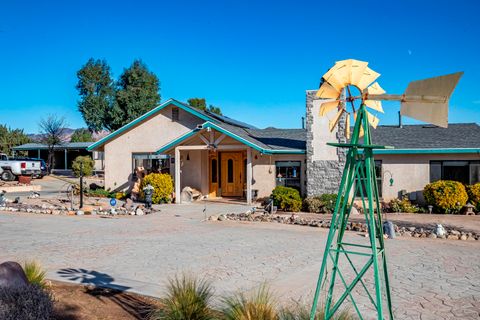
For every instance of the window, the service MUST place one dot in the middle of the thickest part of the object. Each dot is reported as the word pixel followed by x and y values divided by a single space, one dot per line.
pixel 378 177
pixel 467 172
pixel 175 114
pixel 97 155
pixel 288 174
pixel 214 171
pixel 230 170
pixel 151 162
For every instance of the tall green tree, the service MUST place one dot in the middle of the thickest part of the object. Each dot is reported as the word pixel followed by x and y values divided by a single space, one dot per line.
pixel 138 91
pixel 81 135
pixel 10 138
pixel 201 103
pixel 97 95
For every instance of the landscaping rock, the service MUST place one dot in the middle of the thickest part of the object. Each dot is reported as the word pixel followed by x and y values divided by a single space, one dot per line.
pixel 80 213
pixel 432 236
pixel 12 275
pixel 139 212
pixel 213 218
pixel 452 237
pixel 222 217
pixel 463 237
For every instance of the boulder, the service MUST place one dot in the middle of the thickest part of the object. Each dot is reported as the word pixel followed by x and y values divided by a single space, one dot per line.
pixel 80 213
pixel 12 275
pixel 213 218
pixel 139 212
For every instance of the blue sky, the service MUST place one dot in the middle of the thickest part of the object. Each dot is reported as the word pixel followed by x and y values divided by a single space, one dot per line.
pixel 254 59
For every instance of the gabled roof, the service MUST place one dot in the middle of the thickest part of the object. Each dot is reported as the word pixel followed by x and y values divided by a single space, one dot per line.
pixel 416 139
pixel 287 141
pixel 199 113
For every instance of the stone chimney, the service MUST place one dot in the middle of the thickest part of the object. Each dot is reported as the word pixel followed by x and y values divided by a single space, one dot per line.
pixel 324 163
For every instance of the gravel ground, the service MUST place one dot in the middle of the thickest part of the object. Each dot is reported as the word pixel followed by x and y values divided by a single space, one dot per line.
pixel 430 279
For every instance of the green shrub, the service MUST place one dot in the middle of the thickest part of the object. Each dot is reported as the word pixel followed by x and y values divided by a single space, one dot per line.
pixel 313 205
pixel 329 200
pixel 187 298
pixel 88 165
pixel 101 193
pixel 35 274
pixel 258 306
pixel 474 195
pixel 403 205
pixel 287 199
pixel 163 184
pixel 446 195
pixel 25 302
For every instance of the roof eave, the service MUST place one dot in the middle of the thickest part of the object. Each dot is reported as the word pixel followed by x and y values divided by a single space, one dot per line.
pixel 146 116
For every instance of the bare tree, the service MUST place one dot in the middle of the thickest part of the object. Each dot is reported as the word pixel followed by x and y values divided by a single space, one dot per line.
pixel 52 128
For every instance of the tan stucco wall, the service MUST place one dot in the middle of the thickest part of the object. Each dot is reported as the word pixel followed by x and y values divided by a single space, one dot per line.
pixel 411 172
pixel 264 171
pixel 147 137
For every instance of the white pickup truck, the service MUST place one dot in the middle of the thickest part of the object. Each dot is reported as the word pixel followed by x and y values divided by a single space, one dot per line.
pixel 11 168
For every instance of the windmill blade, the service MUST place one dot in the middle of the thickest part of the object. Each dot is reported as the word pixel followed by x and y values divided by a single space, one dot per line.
pixel 368 76
pixel 356 71
pixel 326 91
pixel 332 123
pixel 374 89
pixel 344 70
pixel 372 120
pixel 429 110
pixel 328 106
pixel 336 78
pixel 375 105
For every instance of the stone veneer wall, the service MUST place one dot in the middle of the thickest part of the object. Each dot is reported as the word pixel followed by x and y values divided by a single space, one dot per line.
pixel 323 176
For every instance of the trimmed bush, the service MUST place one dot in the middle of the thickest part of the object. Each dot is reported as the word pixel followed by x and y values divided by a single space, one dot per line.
pixel 25 302
pixel 100 192
pixel 259 306
pixel 313 205
pixel 35 274
pixel 446 196
pixel 473 192
pixel 187 298
pixel 163 184
pixel 287 199
pixel 88 165
pixel 329 200
pixel 403 205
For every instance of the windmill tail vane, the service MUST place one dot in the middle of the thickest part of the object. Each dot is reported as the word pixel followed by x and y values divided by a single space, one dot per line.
pixel 425 100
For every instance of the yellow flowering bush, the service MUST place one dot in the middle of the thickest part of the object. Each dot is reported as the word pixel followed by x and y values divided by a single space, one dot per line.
pixel 446 196
pixel 162 184
pixel 474 195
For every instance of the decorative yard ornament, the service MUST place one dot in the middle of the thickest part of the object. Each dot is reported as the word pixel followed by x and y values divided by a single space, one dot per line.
pixel 425 100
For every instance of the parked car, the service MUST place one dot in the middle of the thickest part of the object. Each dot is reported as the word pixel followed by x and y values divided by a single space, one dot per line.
pixel 11 168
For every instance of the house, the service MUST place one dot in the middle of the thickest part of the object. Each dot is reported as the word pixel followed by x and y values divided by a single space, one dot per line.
pixel 223 157
pixel 64 154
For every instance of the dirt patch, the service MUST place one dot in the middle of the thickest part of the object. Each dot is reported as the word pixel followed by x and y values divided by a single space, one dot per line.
pixel 78 302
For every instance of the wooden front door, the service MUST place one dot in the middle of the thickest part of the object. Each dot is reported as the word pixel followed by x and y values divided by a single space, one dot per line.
pixel 213 176
pixel 232 174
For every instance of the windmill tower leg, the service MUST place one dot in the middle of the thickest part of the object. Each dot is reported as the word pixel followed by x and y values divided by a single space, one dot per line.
pixel 358 176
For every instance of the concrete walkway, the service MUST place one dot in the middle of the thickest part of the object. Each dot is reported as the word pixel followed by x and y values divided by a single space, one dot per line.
pixel 431 279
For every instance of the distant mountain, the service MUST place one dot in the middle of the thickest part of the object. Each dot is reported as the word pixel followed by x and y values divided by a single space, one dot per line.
pixel 67 135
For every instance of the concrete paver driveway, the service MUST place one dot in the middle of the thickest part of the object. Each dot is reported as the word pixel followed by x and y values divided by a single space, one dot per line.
pixel 431 279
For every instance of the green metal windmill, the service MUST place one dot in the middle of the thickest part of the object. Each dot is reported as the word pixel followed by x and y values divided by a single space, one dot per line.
pixel 346 271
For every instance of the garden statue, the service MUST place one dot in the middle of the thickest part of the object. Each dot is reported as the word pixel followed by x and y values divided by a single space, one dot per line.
pixel 148 192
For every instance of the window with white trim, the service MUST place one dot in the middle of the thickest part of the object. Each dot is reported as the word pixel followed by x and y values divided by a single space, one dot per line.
pixel 467 172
